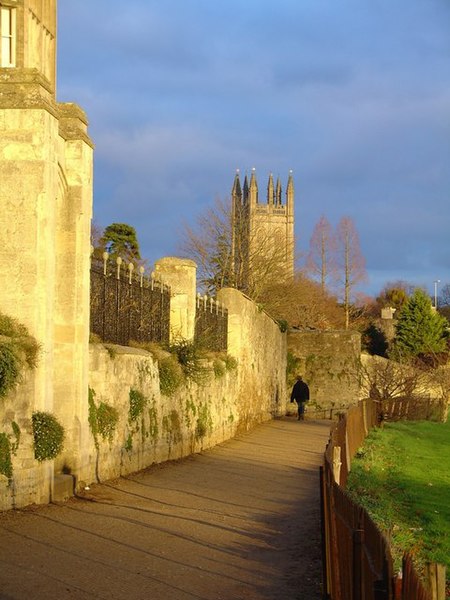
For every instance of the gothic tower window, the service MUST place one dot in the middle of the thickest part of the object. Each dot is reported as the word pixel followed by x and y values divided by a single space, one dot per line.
pixel 8 36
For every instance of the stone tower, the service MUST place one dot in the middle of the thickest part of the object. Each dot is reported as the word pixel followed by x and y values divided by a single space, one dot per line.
pixel 263 232
pixel 46 205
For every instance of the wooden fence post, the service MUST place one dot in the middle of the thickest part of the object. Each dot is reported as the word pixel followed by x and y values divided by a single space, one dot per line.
pixel 398 586
pixel 435 574
pixel 358 574
pixel 324 515
pixel 337 464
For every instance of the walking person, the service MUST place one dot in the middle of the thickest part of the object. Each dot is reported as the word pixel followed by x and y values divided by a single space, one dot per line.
pixel 300 394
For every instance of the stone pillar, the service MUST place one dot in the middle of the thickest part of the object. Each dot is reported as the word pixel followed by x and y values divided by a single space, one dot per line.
pixel 46 200
pixel 72 301
pixel 180 275
pixel 28 192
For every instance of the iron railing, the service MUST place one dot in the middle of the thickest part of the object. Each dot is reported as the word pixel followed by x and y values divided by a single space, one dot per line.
pixel 127 306
pixel 211 324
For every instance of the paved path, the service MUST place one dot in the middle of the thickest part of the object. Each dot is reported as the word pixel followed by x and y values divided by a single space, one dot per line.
pixel 240 521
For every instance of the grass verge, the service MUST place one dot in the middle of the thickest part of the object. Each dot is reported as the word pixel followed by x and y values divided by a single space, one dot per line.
pixel 402 477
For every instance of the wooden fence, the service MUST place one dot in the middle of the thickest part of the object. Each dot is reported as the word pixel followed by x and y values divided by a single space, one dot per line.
pixel 357 561
pixel 414 408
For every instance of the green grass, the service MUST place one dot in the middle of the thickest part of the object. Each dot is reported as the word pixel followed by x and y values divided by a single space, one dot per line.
pixel 402 477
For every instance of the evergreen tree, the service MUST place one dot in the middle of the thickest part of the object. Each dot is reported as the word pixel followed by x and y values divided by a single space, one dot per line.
pixel 119 239
pixel 420 329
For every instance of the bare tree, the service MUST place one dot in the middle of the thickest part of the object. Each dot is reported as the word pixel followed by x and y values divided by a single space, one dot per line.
pixel 97 240
pixel 230 253
pixel 209 245
pixel 302 303
pixel 383 378
pixel 320 261
pixel 350 262
pixel 444 297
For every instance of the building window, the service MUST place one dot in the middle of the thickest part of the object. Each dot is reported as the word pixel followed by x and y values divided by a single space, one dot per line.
pixel 8 32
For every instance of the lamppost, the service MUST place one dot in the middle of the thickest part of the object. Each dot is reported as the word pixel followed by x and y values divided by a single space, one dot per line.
pixel 435 292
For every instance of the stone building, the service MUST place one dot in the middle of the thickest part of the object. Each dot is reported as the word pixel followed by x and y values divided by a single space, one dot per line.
pixel 262 232
pixel 46 204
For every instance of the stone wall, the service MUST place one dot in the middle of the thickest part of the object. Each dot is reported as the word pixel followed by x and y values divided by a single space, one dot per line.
pixel 329 361
pixel 195 417
pixel 198 415
pixel 256 340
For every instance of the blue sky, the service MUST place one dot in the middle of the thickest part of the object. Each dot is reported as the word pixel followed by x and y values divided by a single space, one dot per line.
pixel 353 96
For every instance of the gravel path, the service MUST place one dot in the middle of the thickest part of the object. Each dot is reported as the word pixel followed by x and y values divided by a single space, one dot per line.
pixel 240 521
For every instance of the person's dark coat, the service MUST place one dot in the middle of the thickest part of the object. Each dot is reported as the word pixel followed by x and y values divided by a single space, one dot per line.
pixel 300 391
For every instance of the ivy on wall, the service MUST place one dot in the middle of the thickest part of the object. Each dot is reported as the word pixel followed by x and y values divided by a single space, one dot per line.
pixel 103 419
pixel 107 419
pixel 171 425
pixel 8 449
pixel 138 403
pixel 153 421
pixel 6 468
pixel 18 351
pixel 204 421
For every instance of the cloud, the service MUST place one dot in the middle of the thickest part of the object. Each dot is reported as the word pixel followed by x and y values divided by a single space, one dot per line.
pixel 353 96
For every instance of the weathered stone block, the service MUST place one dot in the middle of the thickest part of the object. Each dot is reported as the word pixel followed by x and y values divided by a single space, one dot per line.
pixel 63 488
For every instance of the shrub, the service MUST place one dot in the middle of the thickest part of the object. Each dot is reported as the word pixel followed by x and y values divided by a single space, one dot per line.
pixel 9 368
pixel 231 363
pixel 283 325
pixel 5 456
pixel 18 350
pixel 170 375
pixel 187 355
pixel 190 360
pixel 219 368
pixel 48 436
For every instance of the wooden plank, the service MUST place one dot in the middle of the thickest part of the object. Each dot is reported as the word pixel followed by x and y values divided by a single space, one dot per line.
pixel 436 580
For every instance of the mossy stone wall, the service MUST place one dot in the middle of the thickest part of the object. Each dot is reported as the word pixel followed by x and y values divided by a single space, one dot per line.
pixel 329 362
